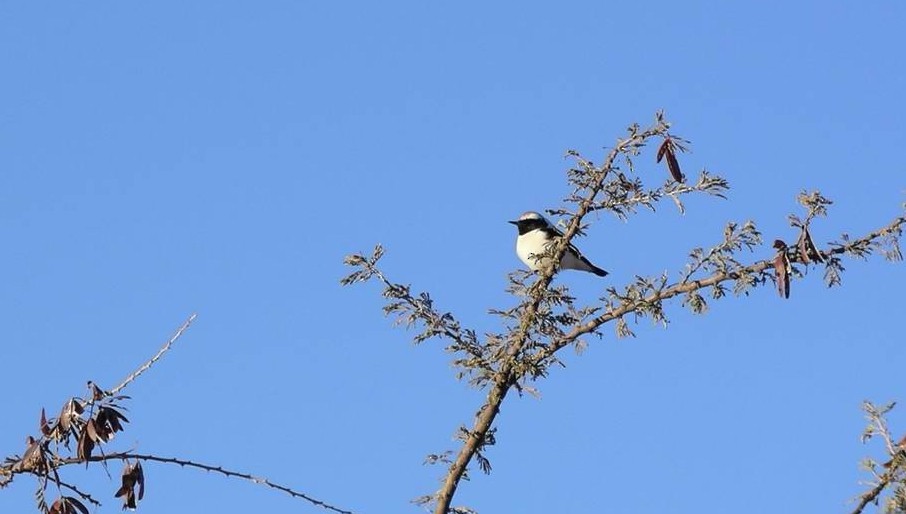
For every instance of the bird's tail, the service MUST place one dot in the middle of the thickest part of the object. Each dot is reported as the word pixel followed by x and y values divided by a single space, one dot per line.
pixel 598 271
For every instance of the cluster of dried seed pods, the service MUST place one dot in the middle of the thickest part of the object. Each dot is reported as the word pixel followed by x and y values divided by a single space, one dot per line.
pixel 668 149
pixel 91 422
pixel 805 252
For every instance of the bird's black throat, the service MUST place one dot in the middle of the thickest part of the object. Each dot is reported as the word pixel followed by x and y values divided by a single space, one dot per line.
pixel 526 226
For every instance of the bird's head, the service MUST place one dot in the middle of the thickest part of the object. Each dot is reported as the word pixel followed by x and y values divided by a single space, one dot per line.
pixel 529 221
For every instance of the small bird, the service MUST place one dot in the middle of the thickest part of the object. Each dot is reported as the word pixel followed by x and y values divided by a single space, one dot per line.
pixel 536 234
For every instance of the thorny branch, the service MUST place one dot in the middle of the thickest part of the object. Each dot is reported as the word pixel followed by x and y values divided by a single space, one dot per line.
pixel 160 353
pixel 547 321
pixel 85 496
pixel 210 468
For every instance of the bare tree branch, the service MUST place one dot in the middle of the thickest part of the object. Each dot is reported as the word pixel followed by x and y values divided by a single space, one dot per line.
pixel 85 496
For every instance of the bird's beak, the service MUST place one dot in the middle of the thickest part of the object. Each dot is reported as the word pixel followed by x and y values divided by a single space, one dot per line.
pixel 513 222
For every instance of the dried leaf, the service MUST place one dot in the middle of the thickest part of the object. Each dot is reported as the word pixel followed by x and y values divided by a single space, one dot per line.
pixel 70 417
pixel 76 504
pixel 68 505
pixel 95 432
pixel 782 269
pixel 34 458
pixel 663 149
pixel 132 475
pixel 59 507
pixel 674 167
pixel 108 422
pixel 96 392
pixel 87 438
pixel 808 252
pixel 140 479
pixel 45 427
pixel 668 149
pixel 483 463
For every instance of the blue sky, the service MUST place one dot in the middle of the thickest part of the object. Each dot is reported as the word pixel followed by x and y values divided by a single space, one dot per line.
pixel 169 158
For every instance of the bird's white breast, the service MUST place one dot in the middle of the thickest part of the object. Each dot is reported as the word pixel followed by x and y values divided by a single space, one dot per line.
pixel 532 244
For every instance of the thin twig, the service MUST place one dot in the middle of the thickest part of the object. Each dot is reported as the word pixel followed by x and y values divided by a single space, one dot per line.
pixel 85 496
pixel 144 367
pixel 206 467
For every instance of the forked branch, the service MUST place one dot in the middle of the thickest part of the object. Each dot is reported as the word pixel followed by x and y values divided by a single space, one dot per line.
pixel 546 320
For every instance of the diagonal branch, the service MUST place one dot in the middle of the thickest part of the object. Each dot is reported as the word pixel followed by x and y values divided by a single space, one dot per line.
pixel 872 495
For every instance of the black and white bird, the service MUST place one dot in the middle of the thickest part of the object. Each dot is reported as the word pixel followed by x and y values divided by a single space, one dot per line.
pixel 536 234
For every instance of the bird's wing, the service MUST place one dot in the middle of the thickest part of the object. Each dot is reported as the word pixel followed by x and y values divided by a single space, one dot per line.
pixel 571 248
pixel 580 262
pixel 553 233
